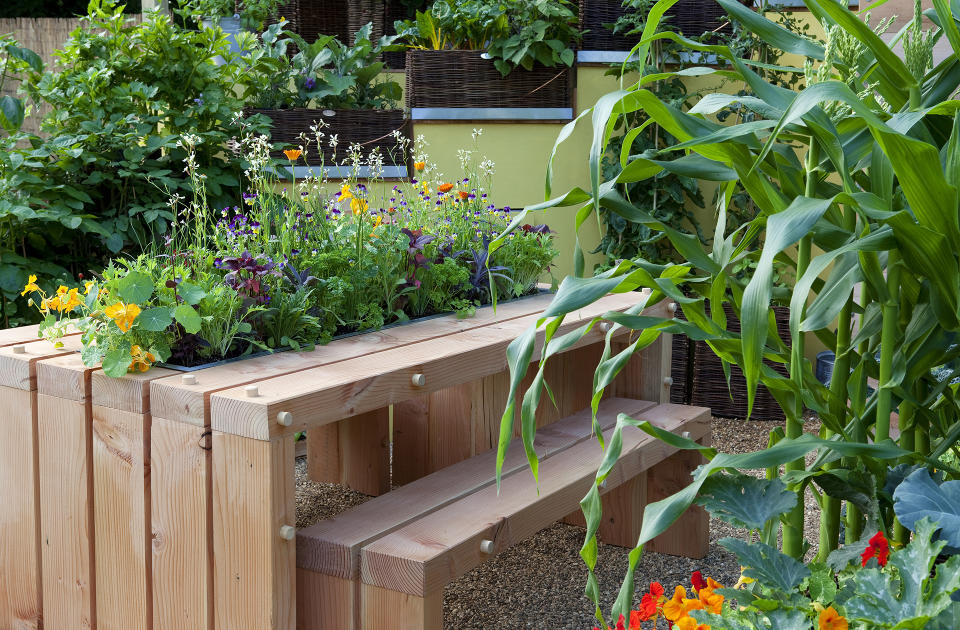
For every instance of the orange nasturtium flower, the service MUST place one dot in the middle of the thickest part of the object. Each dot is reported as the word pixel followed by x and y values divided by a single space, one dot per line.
pixel 673 609
pixel 689 623
pixel 830 619
pixel 292 154
pixel 31 285
pixel 142 359
pixel 444 188
pixel 345 193
pixel 122 315
pixel 419 165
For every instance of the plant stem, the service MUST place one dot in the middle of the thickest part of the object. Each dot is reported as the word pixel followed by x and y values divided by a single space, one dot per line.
pixel 793 525
pixel 830 516
pixel 888 337
pixel 769 534
pixel 908 412
pixel 854 522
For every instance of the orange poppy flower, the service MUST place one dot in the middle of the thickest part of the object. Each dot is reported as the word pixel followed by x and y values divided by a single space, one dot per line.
pixel 419 165
pixel 292 154
pixel 463 194
pixel 445 187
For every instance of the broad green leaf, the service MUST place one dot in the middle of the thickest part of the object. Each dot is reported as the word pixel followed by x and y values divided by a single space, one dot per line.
pixel 822 584
pixel 745 501
pixel 136 287
pixel 190 293
pixel 919 496
pixel 155 319
pixel 11 113
pixel 116 362
pixel 187 317
pixel 771 32
pixel 766 564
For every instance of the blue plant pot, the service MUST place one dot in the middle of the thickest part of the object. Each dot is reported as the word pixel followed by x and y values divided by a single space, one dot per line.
pixel 230 26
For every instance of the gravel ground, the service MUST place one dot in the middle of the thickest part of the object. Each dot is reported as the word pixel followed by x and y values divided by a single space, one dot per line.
pixel 539 583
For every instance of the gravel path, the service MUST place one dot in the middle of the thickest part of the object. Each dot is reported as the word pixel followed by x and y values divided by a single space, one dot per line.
pixel 539 583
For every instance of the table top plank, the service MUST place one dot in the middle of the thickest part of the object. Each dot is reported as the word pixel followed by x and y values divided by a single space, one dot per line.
pixel 172 399
pixel 330 393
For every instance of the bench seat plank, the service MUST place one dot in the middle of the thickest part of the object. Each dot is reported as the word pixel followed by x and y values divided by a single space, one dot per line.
pixel 424 556
pixel 332 546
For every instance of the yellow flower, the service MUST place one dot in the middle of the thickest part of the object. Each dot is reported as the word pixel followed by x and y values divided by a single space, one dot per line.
pixel 50 304
pixel 830 619
pixel 710 600
pixel 689 623
pixel 123 315
pixel 292 154
pixel 358 206
pixel 345 193
pixel 744 580
pixel 62 290
pixel 73 300
pixel 419 165
pixel 142 360
pixel 377 220
pixel 87 286
pixel 31 285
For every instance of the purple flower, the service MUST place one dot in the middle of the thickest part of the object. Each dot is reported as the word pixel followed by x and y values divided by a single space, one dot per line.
pixel 309 83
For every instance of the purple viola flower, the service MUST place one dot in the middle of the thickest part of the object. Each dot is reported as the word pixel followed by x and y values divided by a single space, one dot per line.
pixel 309 83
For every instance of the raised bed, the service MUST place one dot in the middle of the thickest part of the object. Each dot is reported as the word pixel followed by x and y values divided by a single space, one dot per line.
pixel 166 500
pixel 368 128
pixel 461 85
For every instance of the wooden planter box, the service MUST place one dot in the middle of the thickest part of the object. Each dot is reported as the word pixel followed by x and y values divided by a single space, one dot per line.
pixel 442 82
pixel 163 500
pixel 370 128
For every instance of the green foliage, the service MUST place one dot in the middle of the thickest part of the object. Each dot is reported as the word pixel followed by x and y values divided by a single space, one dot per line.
pixel 516 33
pixel 919 496
pixel 325 74
pixel 854 181
pixel 745 501
pixel 766 564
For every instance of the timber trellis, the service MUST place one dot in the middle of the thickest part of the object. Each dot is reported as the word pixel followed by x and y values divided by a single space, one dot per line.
pixel 165 500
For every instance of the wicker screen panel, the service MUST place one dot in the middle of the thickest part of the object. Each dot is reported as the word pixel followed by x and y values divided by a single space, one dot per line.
pixel 394 10
pixel 461 78
pixel 324 17
pixel 593 15
pixel 368 128
pixel 693 18
pixel 362 11
pixel 710 386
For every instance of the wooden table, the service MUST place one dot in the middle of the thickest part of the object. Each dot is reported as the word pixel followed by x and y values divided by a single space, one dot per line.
pixel 166 500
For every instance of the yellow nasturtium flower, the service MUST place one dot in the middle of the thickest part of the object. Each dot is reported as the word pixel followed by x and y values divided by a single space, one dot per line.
pixel 345 193
pixel 31 285
pixel 123 315
pixel 87 286
pixel 358 206
pixel 142 359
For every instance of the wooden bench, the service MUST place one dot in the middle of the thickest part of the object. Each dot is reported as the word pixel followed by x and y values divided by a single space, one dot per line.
pixel 385 562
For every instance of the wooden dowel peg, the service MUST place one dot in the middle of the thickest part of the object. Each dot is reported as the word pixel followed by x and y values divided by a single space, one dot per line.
pixel 672 307
pixel 603 484
pixel 486 546
pixel 418 380
pixel 252 391
pixel 285 418
pixel 605 327
pixel 189 379
pixel 685 434
pixel 288 532
pixel 668 381
pixel 19 349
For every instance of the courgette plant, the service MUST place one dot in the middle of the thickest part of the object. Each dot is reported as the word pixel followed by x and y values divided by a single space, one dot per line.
pixel 855 179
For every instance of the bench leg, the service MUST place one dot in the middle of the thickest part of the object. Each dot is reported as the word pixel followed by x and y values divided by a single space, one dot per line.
pixel 325 601
pixel 622 513
pixel 384 608
pixel 690 535
pixel 353 452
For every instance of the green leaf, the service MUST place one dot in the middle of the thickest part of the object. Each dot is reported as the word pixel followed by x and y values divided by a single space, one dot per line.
pixel 116 362
pixel 136 287
pixel 745 501
pixel 187 317
pixel 822 585
pixel 919 497
pixel 155 319
pixel 190 293
pixel 766 564
pixel 11 113
pixel 772 32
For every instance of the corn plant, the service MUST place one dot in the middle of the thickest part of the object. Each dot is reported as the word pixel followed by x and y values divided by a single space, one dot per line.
pixel 862 166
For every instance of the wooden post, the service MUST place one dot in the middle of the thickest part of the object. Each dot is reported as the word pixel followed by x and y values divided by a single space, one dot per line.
pixel 20 591
pixel 254 552
pixel 689 536
pixel 384 608
pixel 121 452
pixel 353 452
